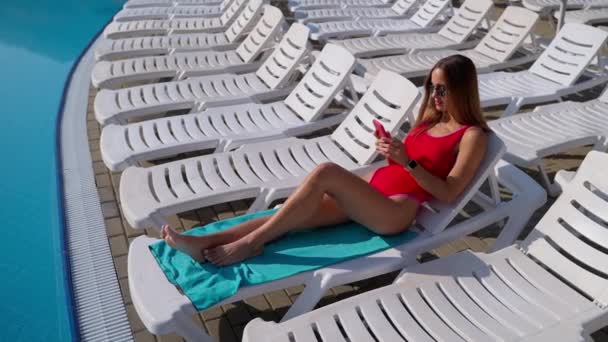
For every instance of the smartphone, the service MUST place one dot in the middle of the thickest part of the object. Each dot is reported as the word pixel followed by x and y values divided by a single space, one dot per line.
pixel 380 131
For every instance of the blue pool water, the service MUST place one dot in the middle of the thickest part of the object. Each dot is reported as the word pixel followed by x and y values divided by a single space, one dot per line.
pixel 40 40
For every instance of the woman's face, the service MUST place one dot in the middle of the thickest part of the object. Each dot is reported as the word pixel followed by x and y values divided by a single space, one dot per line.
pixel 438 90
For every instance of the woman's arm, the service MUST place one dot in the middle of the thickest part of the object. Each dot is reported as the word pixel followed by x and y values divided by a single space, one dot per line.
pixel 471 152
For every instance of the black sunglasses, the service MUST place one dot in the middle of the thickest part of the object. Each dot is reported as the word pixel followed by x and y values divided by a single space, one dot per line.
pixel 440 90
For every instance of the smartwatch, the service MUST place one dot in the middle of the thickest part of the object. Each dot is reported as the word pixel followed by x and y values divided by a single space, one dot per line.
pixel 411 164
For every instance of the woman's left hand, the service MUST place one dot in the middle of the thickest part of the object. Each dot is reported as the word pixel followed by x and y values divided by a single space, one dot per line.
pixel 393 149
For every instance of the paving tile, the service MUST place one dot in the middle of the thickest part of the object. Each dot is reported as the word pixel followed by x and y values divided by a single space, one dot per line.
pixel 118 245
pixel 237 313
pixel 223 211
pixel 278 299
pixel 106 194
pixel 102 180
pixel 475 244
pixel 99 167
pixel 212 313
pixel 169 338
pixel 295 290
pixel 257 304
pixel 206 215
pixel 343 290
pixel 115 176
pixel 109 210
pixel 114 226
pixel 136 323
pixel 239 207
pixel 144 336
pixel 93 133
pixel 459 245
pixel 94 147
pixel 126 292
pixel 189 220
pixel 220 328
pixel 120 263
pixel 131 232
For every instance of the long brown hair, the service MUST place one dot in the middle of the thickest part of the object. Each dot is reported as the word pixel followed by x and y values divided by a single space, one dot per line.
pixel 463 94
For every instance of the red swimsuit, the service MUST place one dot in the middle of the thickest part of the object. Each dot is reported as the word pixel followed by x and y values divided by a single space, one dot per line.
pixel 434 154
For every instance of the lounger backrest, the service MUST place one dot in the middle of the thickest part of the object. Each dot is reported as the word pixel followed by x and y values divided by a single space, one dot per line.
pixel 426 15
pixel 465 20
pixel 436 222
pixel 282 63
pixel 328 74
pixel 572 237
pixel 507 35
pixel 403 6
pixel 569 53
pixel 388 99
pixel 262 35
pixel 245 21
pixel 229 13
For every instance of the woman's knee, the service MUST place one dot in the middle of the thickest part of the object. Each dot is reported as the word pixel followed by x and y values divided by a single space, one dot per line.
pixel 324 171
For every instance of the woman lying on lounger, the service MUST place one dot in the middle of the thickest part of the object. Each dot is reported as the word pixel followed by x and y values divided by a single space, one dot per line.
pixel 437 159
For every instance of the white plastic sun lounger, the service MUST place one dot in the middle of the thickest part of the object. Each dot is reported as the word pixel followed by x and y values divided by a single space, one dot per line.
pixel 454 34
pixel 163 309
pixel 552 129
pixel 545 7
pixel 245 58
pixel 271 81
pixel 226 128
pixel 295 5
pixel 422 21
pixel 177 40
pixel 265 170
pixel 586 16
pixel 400 9
pixel 550 287
pixel 145 26
pixel 494 51
pixel 173 3
pixel 553 75
pixel 178 11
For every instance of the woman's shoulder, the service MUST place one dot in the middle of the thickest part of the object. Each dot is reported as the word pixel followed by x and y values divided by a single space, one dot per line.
pixel 475 134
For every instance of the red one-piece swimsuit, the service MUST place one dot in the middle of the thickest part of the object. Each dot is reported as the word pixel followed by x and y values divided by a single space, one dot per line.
pixel 434 154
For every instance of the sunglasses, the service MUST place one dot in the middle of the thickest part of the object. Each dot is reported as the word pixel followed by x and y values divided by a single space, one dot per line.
pixel 439 90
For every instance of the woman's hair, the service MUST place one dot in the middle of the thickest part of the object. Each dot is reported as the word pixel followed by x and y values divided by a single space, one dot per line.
pixel 462 94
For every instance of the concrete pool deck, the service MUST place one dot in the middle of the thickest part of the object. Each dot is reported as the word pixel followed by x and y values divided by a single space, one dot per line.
pixel 228 321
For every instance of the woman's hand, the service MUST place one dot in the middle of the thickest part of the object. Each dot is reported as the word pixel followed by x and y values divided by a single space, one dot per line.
pixel 393 149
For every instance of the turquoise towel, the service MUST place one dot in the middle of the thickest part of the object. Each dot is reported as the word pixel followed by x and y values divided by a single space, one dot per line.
pixel 207 285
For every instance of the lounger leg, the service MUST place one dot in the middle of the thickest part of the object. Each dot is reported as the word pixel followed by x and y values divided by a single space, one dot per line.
pixel 258 204
pixel 513 107
pixel 601 145
pixel 552 189
pixel 313 291
pixel 190 331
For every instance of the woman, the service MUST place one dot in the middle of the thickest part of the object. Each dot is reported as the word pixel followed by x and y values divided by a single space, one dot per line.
pixel 437 159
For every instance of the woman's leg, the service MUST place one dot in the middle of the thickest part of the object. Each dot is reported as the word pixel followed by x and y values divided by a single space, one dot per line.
pixel 328 213
pixel 352 194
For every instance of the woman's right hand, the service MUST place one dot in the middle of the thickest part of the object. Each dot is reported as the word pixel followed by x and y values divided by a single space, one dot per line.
pixel 392 149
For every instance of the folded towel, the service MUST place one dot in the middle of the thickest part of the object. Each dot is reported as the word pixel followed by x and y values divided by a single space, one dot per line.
pixel 207 285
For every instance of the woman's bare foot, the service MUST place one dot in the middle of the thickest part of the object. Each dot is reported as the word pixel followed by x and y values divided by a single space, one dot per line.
pixel 233 252
pixel 191 245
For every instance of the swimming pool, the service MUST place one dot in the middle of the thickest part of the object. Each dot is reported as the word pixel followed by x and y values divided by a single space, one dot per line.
pixel 40 41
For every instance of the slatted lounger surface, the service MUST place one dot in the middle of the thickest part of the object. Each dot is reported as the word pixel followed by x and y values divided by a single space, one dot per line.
pixel 421 21
pixel 547 6
pixel 401 9
pixel 246 57
pixel 151 24
pixel 587 16
pixel 320 4
pixel 493 52
pixel 172 3
pixel 163 309
pixel 453 35
pixel 226 128
pixel 550 287
pixel 177 42
pixel 158 13
pixel 270 81
pixel 553 129
pixel 554 74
